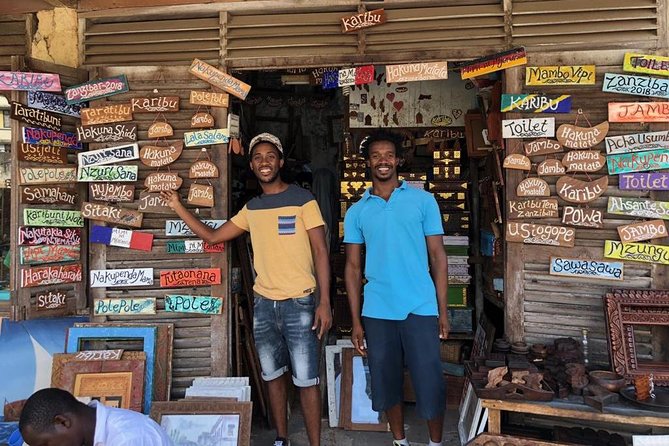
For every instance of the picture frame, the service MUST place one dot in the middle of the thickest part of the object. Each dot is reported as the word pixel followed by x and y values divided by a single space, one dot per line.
pixel 356 411
pixel 228 422
pixel 473 418
pixel 333 373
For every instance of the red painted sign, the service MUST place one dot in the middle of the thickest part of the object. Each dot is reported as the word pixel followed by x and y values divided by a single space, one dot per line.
pixel 190 277
pixel 50 275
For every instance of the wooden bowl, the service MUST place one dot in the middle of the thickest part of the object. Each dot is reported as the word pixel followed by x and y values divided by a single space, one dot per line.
pixel 611 381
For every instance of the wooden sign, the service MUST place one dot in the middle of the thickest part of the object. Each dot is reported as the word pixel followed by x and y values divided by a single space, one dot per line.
pixel 190 277
pixel 577 191
pixel 209 98
pixel 636 252
pixel 96 89
pixel 53 103
pixel 113 192
pixel 23 81
pixel 98 355
pixel 47 175
pixel 179 228
pixel 202 120
pixel 201 195
pixel 576 137
pixel 49 236
pixel 542 146
pixel 159 104
pixel 533 187
pixel 110 214
pixel 638 207
pixel 107 133
pixel 206 137
pixel 646 63
pixel 495 62
pixel 586 269
pixel 50 300
pixel 585 217
pixel 203 169
pixel 645 230
pixel 528 128
pixel 219 79
pixel 52 217
pixel 560 75
pixel 124 306
pixel 160 130
pixel 637 142
pixel 534 234
pixel 41 154
pixel 551 167
pixel 160 181
pixel 92 174
pixel 192 247
pixel 363 20
pixel 106 114
pixel 48 254
pixel 346 77
pixel 644 181
pixel 518 162
pixel 639 111
pixel 154 203
pixel 535 103
pixel 35 116
pixel 161 155
pixel 176 303
pixel 420 71
pixel 46 137
pixel 110 155
pixel 540 208
pixel 49 195
pixel 50 275
pixel 636 85
pixel 583 161
pixel 121 238
pixel 107 278
pixel 639 162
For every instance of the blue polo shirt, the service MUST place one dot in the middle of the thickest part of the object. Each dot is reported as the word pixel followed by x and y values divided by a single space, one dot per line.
pixel 396 259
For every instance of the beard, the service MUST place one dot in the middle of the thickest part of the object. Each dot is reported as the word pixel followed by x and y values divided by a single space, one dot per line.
pixel 269 180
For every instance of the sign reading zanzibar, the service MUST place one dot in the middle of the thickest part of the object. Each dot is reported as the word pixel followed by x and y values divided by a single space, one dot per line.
pixel 42 154
pixel 585 217
pixel 35 116
pixel 18 80
pixel 52 102
pixel 638 252
pixel 495 62
pixel 104 278
pixel 47 175
pixel 596 269
pixel 638 162
pixel 52 217
pixel 161 104
pixel 193 304
pixel 638 207
pixel 141 305
pixel 637 142
pixel 219 79
pixel 49 236
pixel 528 128
pixel 107 173
pixel 46 137
pixel 110 214
pixel 190 277
pixel 119 193
pixel 639 111
pixel 96 89
pixel 535 103
pixel 540 234
pixel 560 75
pixel 108 133
pixel 110 155
pixel 48 195
pixel 644 181
pixel 636 85
pixel 649 64
pixel 538 208
pixel 51 275
pixel 645 230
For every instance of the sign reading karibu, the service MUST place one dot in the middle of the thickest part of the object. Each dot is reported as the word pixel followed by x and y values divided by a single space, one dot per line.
pixel 644 181
pixel 537 208
pixel 645 230
pixel 159 104
pixel 551 167
pixel 495 62
pixel 190 277
pixel 50 275
pixel 528 128
pixel 637 252
pixel 110 214
pixel 636 85
pixel 124 306
pixel 583 161
pixel 646 63
pixel 47 175
pixel 535 103
pixel 108 133
pixel 533 187
pixel 176 303
pixel 542 146
pixel 206 137
pixel 48 195
pixel 560 75
pixel 42 154
pixel 46 137
pixel 110 155
pixel 23 81
pixel 107 114
pixel 219 79
pixel 638 162
pixel 106 278
pixel 576 137
pixel 98 355
pixel 577 191
pixel 209 98
pixel 363 20
pixel 637 142
pixel 96 89
pixel 52 217
pixel 119 193
pixel 49 236
pixel 160 181
pixel 48 254
pixel 53 103
pixel 107 173
pixel 639 111
pixel 534 234
pixel 161 155
pixel 584 268
pixel 121 238
pixel 192 247
pixel 180 228
pixel 35 116
pixel 638 207
pixel 584 217
pixel 420 71
pixel 50 300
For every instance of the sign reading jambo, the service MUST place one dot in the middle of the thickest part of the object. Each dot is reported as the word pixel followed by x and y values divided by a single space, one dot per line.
pixel 35 116
pixel 107 173
pixel 193 304
pixel 52 217
pixel 560 75
pixel 540 234
pixel 639 111
pixel 48 195
pixel 107 114
pixel 47 175
pixel 542 146
pixel 363 20
pixel 495 62
pixel 110 214
pixel 219 79
pixel 96 89
pixel 49 236
pixel 46 137
pixel 645 230
pixel 50 275
pixel 52 102
pixel 23 81
pixel 190 277
pixel 48 254
pixel 160 104
pixel 42 154
pixel 108 133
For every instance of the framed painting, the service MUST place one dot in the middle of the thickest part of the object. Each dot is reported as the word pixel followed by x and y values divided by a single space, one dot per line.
pixel 111 389
pixel 356 411
pixel 473 418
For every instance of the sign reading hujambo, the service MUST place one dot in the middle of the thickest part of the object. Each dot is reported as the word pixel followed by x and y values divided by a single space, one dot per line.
pixel 161 155
pixel 25 81
pixel 533 187
pixel 596 269
pixel 219 79
pixel 52 102
pixel 49 236
pixel 583 161
pixel 535 103
pixel 123 306
pixel 107 173
pixel 638 207
pixel 119 193
pixel 420 71
pixel 48 254
pixel 50 300
pixel 646 63
pixel 42 154
pixel 193 304
pixel 577 191
pixel 47 137
pixel 540 208
pixel 637 142
pixel 644 181
pixel 584 217
pixel 363 20
pixel 107 114
pixel 639 111
pixel 637 162
pixel 110 214
pixel 540 234
pixel 636 85
pixel 645 230
pixel 48 195
pixel 52 217
pixel 160 104
pixel 494 62
pixel 160 181
pixel 209 98
pixel 110 155
pixel 190 277
pixel 104 278
pixel 560 75
pixel 96 89
pixel 542 146
pixel 108 133
pixel 35 116
pixel 551 167
pixel 50 275
pixel 47 175
pixel 637 252
pixel 576 137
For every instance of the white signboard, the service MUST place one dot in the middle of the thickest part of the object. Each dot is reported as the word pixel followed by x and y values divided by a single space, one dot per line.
pixel 177 228
pixel 110 155
pixel 104 278
pixel 528 128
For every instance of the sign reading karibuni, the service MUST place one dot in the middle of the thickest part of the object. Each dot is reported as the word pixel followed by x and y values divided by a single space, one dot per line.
pixel 52 217
pixel 495 62
pixel 46 137
pixel 193 304
pixel 42 154
pixel 363 20
pixel 110 214
pixel 35 116
pixel 219 79
pixel 540 234
pixel 560 75
pixel 585 268
pixel 105 115
pixel 160 104
pixel 50 275
pixel 637 252
pixel 23 81
pixel 190 277
pixel 96 89
pixel 49 236
pixel 108 133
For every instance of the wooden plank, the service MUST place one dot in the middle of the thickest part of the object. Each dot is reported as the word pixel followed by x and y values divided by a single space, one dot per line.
pixel 206 137
pixel 48 236
pixel 29 81
pixel 577 191
pixel 540 234
pixel 164 104
pixel 584 217
pixel 639 111
pixel 536 103
pixel 96 89
pixel 105 278
pixel 110 214
pixel 111 192
pixel 638 162
pixel 109 155
pixel 586 268
pixel 162 181
pixel 576 137
pixel 495 62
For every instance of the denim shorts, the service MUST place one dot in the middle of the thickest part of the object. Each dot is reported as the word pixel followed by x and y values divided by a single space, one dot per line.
pixel 284 339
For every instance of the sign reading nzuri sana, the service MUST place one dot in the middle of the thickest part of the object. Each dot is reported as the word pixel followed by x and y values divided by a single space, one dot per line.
pixel 639 111
pixel 638 252
pixel 219 79
pixel 136 305
pixel 193 304
pixel 596 269
pixel 110 155
pixel 96 89
pixel 560 75
pixel 107 173
pixel 495 62
pixel 190 277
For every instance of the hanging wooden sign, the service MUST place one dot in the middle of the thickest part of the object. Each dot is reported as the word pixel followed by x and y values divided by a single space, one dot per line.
pixel 53 103
pixel 219 79
pixel 639 111
pixel 110 214
pixel 542 146
pixel 644 181
pixel 190 277
pixel 551 167
pixel 47 175
pixel 363 20
pixel 96 89
pixel 637 142
pixel 107 133
pixel 107 278
pixel 180 228
pixel 576 137
pixel 176 303
pixel 645 230
pixel 583 161
pixel 161 155
pixel 49 236
pixel 209 98
pixel 50 300
pixel 50 275
pixel 639 162
pixel 124 306
pixel 160 130
pixel 535 103
pixel 494 62
pixel 113 192
pixel 577 191
pixel 159 104
pixel 585 217
pixel 35 116
pixel 49 195
pixel 24 81
pixel 646 63
pixel 203 169
pixel 110 155
pixel 638 207
pixel 121 238
pixel 346 77
pixel 192 247
pixel 154 203
pixel 46 137
pixel 636 252
pixel 98 355
pixel 528 128
pixel 160 181
pixel 636 85
pixel 41 154
pixel 586 269
pixel 560 75
pixel 534 234
pixel 52 217
pixel 540 208
pixel 201 195
pixel 518 162
pixel 107 114
pixel 533 187
pixel 206 137
pixel 420 71
pixel 107 173
pixel 202 121
pixel 30 255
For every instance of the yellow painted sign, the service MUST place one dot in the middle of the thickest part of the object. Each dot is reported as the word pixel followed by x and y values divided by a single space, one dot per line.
pixel 637 252
pixel 495 62
pixel 560 75
pixel 646 63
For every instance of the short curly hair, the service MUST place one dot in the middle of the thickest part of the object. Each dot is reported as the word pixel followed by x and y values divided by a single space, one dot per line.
pixel 382 135
pixel 43 406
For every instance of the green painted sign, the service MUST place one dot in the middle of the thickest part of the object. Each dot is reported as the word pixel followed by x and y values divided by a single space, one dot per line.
pixel 636 252
pixel 52 217
pixel 638 162
pixel 123 306
pixel 177 303
pixel 638 207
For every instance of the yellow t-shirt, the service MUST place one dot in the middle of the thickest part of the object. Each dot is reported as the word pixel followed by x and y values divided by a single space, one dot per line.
pixel 282 257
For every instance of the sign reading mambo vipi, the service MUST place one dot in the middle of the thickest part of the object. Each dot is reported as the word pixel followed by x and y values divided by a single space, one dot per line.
pixel 106 114
pixel 542 146
pixel 637 142
pixel 161 155
pixel 24 81
pixel 636 85
pixel 98 355
pixel 118 193
pixel 110 155
pixel 50 275
pixel 107 173
pixel 111 214
pixel 42 154
pixel 49 236
pixel 108 133
pixel 50 300
pixel 35 116
pixel 48 195
pixel 192 247
pixel 528 128
pixel 47 175
pixel 637 252
pixel 48 253
pixel 363 20
pixel 560 75
pixel 96 89
pixel 47 137
pixel 533 187
pixel 160 104
pixel 160 181
pixel 180 228
pixel 206 137
pixel 597 269
pixel 494 62
pixel 638 162
pixel 141 305
pixel 105 278
pixel 577 191
pixel 638 207
pixel 52 102
pixel 121 238
pixel 540 234
pixel 209 98
pixel 639 111
pixel 645 230
pixel 585 217
pixel 219 79
pixel 646 63
pixel 644 181
pixel 190 277
pixel 421 71
pixel 538 208
pixel 52 217
pixel 535 103
pixel 193 304
pixel 576 137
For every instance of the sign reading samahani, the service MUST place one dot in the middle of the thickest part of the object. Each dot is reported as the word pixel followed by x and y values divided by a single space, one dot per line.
pixel 597 269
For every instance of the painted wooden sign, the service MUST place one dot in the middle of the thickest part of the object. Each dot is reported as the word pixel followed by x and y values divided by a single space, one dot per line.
pixel 153 202
pixel 107 133
pixel 49 236
pixel 206 137
pixel 219 79
pixel 110 214
pixel 49 195
pixel 542 146
pixel 645 230
pixel 584 217
pixel 576 137
pixel 50 300
pixel 98 355
pixel 201 195
pixel 160 130
pixel 636 85
pixel 41 154
pixel 48 254
pixel 92 174
pixel 528 128
pixel 495 62
pixel 24 81
pixel 518 162
pixel 35 116
pixel 124 306
pixel 420 71
pixel 179 228
pixel 96 89
pixel 159 104
pixel 107 278
pixel 202 120
pixel 539 208
pixel 106 114
pixel 110 155
pixel 646 63
pixel 535 103
pixel 51 275
pixel 121 238
pixel 585 268
pixel 53 103
pixel 47 175
pixel 119 193
pixel 639 111
pixel 46 137
pixel 637 142
pixel 583 161
pixel 161 155
pixel 363 75
pixel 639 162
pixel 638 207
pixel 534 234
pixel 192 247
pixel 346 77
pixel 363 20
pixel 209 98
pixel 644 181
pixel 560 75
pixel 551 167
pixel 190 277
pixel 533 187
pixel 160 181
pixel 176 303
pixel 52 217
pixel 203 169
pixel 636 252
pixel 577 191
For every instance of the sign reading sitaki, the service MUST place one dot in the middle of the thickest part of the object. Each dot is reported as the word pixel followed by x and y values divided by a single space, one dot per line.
pixel 119 193
pixel 528 128
pixel 595 269
pixel 50 275
pixel 421 71
pixel 637 162
pixel 23 81
pixel 107 114
pixel 363 20
pixel 540 234
pixel 495 62
pixel 50 300
pixel 645 230
pixel 108 133
pixel 637 252
pixel 639 111
pixel 584 217
pixel 35 116
pixel 560 75
pixel 538 208
pixel 190 277
pixel 160 104
pixel 52 217
pixel 638 207
pixel 219 79
pixel 96 89
pixel 42 154
pixel 110 214
pixel 193 304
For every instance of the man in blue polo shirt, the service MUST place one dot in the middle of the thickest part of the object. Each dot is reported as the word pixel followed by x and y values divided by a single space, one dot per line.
pixel 404 313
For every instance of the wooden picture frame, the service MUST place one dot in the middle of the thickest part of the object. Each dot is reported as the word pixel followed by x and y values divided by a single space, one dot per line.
pixel 474 126
pixel 350 398
pixel 333 373
pixel 473 418
pixel 168 413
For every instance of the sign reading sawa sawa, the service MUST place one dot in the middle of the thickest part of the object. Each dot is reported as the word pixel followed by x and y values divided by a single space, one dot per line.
pixel 597 269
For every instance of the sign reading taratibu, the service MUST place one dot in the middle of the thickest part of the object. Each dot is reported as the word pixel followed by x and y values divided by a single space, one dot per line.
pixel 495 62
pixel 636 85
pixel 96 89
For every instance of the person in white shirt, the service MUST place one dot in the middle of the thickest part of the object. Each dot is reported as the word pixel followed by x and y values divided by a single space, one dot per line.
pixel 53 417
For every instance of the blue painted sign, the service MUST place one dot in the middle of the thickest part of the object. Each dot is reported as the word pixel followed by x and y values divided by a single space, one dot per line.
pixel 206 137
pixel 636 85
pixel 638 162
pixel 535 103
pixel 54 103
pixel 596 269
pixel 193 304
pixel 47 137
